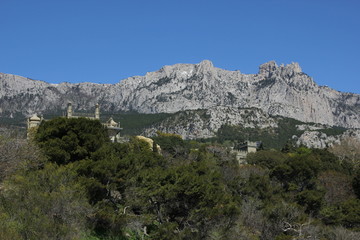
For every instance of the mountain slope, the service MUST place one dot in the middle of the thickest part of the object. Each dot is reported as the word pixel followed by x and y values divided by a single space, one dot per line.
pixel 204 123
pixel 277 90
pixel 222 124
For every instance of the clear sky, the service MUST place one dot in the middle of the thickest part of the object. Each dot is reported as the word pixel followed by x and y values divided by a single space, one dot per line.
pixel 104 41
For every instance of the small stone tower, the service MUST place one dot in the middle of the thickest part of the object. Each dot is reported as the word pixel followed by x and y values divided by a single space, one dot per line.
pixel 33 124
pixel 97 111
pixel 113 129
pixel 69 112
pixel 33 121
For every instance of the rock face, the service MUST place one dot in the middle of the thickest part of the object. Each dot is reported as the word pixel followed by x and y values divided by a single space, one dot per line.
pixel 276 90
pixel 316 139
pixel 27 96
pixel 204 123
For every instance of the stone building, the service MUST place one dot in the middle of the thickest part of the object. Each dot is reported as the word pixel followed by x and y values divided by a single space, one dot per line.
pixel 71 114
pixel 243 149
pixel 112 126
pixel 113 130
pixel 33 123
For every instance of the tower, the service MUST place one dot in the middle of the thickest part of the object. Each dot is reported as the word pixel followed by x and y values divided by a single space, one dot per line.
pixel 97 111
pixel 69 110
pixel 33 124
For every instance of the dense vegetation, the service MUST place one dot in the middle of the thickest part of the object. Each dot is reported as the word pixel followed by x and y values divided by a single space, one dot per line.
pixel 272 138
pixel 134 123
pixel 72 183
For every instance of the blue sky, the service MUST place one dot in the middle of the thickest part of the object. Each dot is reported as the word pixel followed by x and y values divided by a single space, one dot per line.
pixel 109 40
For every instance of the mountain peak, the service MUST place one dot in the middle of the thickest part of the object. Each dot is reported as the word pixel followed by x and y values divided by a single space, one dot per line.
pixel 206 64
pixel 268 67
pixel 295 67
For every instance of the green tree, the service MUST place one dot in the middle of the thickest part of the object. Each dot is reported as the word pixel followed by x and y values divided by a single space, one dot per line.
pixel 172 144
pixel 356 183
pixel 267 158
pixel 66 140
pixel 110 176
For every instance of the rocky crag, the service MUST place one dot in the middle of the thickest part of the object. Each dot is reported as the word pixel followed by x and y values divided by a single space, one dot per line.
pixel 277 90
pixel 317 139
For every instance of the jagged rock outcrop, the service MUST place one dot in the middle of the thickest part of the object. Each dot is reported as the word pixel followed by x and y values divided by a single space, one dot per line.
pixel 278 90
pixel 316 139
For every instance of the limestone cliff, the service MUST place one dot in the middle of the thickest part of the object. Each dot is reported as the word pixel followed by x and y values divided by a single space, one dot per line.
pixel 316 139
pixel 277 90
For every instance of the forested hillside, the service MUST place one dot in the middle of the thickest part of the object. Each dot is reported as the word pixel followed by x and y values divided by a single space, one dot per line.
pixel 71 182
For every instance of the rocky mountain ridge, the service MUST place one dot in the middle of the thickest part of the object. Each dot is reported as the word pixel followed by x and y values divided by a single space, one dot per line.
pixel 277 90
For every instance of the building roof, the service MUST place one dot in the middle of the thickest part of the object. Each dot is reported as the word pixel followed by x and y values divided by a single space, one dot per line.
pixel 34 117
